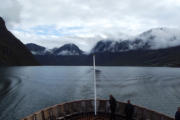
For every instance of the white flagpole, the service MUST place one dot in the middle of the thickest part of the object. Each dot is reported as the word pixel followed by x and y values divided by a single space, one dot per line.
pixel 94 64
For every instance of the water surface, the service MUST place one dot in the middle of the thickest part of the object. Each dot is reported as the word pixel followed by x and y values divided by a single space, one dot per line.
pixel 24 90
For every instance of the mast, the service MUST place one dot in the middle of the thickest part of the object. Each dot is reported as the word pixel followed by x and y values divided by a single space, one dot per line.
pixel 94 64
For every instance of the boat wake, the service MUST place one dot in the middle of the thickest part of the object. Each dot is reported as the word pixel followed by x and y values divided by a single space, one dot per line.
pixel 8 85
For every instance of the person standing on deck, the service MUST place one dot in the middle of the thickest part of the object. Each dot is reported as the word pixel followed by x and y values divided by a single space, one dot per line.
pixel 177 115
pixel 112 102
pixel 129 110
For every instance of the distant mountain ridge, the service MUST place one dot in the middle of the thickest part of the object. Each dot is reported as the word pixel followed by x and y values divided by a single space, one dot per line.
pixel 145 41
pixel 142 50
pixel 12 51
pixel 148 40
pixel 65 50
pixel 153 39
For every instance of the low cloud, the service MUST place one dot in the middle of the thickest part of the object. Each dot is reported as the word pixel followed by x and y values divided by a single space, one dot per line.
pixel 161 37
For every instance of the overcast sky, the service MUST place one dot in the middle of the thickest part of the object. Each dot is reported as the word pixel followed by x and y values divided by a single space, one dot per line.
pixel 55 22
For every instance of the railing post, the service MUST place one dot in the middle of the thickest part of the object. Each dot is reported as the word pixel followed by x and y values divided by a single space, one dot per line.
pixel 42 115
pixel 34 117
pixel 142 117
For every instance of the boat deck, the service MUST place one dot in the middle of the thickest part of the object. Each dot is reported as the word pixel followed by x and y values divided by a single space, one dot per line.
pixel 98 117
pixel 90 116
pixel 84 110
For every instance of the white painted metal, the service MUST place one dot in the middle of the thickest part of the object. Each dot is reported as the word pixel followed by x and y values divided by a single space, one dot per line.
pixel 94 64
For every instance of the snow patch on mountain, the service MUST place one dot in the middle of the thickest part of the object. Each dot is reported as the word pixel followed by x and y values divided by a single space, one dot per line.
pixel 66 52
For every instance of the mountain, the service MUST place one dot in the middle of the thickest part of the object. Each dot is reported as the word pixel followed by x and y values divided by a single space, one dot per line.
pixel 65 50
pixel 36 49
pixel 159 38
pixel 152 39
pixel 111 46
pixel 12 51
pixel 155 47
pixel 120 46
pixel 68 54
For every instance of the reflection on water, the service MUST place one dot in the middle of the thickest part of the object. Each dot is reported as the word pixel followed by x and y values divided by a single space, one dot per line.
pixel 24 90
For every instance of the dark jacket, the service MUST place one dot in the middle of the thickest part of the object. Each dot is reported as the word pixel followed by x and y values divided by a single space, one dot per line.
pixel 112 103
pixel 177 115
pixel 129 110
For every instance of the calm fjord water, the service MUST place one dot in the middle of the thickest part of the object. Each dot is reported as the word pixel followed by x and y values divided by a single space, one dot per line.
pixel 24 90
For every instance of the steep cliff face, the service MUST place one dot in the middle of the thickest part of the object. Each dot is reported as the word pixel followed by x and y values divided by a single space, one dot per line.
pixel 12 51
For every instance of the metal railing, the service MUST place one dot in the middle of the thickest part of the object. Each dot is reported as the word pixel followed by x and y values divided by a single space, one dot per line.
pixel 82 107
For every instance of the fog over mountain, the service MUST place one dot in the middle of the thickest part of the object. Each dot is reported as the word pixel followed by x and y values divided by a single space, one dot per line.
pixel 161 37
pixel 157 38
